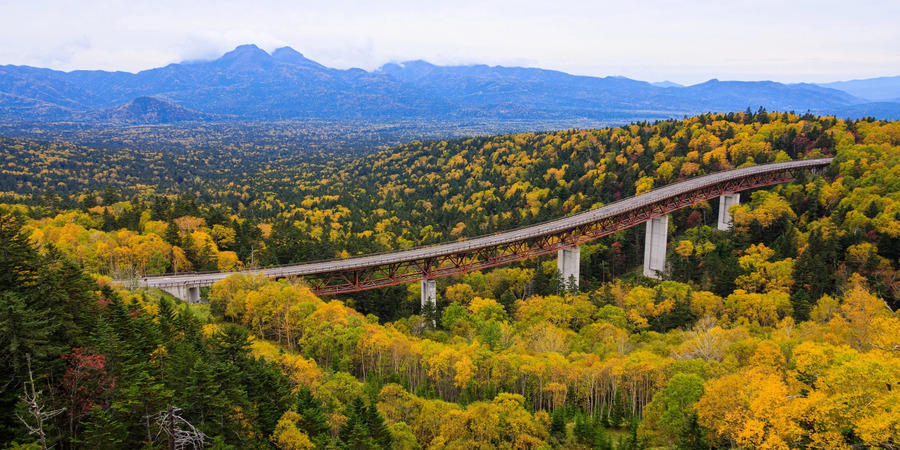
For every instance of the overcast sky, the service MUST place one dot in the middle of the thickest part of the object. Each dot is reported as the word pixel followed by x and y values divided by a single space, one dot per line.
pixel 686 41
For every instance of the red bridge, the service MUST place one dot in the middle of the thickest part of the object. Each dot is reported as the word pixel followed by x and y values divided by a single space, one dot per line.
pixel 561 235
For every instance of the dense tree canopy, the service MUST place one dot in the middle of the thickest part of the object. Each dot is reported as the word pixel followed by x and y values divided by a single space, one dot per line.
pixel 781 332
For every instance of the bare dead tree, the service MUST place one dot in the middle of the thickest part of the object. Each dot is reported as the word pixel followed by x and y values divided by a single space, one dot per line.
pixel 179 432
pixel 35 408
pixel 704 341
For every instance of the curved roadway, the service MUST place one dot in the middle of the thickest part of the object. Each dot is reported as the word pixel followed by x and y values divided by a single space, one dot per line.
pixel 506 237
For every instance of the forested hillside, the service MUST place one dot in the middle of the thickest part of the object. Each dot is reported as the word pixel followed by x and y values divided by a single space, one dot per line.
pixel 779 333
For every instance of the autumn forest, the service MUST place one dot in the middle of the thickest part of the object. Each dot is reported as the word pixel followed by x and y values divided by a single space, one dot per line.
pixel 782 332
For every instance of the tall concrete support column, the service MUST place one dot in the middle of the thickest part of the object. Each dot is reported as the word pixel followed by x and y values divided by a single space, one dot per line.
pixel 725 203
pixel 568 263
pixel 429 293
pixel 655 247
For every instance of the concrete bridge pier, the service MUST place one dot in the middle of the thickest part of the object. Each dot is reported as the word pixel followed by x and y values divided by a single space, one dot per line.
pixel 655 247
pixel 189 294
pixel 429 293
pixel 568 263
pixel 725 203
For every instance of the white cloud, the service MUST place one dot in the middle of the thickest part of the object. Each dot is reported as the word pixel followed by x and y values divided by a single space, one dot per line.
pixel 686 41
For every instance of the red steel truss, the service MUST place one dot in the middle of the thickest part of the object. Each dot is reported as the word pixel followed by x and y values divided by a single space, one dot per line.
pixel 386 269
pixel 468 260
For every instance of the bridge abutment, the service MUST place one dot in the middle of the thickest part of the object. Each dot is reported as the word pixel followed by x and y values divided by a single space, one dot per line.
pixel 725 203
pixel 568 263
pixel 185 293
pixel 655 247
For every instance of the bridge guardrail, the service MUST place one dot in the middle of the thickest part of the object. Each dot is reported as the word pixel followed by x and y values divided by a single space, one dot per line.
pixel 507 236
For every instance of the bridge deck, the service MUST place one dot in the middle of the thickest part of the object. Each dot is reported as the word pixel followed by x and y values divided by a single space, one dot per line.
pixel 552 227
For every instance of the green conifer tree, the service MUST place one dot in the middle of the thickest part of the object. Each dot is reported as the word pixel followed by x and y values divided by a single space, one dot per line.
pixel 633 442
pixel 355 433
pixel 377 428
pixel 102 430
pixel 693 435
pixel 312 418
pixel 558 425
pixel 584 430
pixel 602 440
pixel 171 236
pixel 617 411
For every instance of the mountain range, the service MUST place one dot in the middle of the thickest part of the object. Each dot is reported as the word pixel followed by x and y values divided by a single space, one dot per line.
pixel 248 83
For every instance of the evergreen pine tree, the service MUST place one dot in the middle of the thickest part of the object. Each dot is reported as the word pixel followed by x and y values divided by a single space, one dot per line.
pixel 24 333
pixel 632 442
pixel 813 273
pixel 28 328
pixel 801 304
pixel 205 259
pixel 159 209
pixel 430 313
pixel 109 195
pixel 89 201
pixel 189 325
pixel 215 217
pixel 543 283
pixel 617 411
pixel 268 389
pixel 190 250
pixel 692 436
pixel 108 220
pixel 165 317
pixel 185 205
pixel 508 299
pixel 204 398
pixel 375 423
pixel 584 429
pixel 355 433
pixel 102 430
pixel 141 397
pixel 77 308
pixel 602 440
pixel 312 419
pixel 558 281
pixel 172 237
pixel 558 425
pixel 232 343
pixel 18 259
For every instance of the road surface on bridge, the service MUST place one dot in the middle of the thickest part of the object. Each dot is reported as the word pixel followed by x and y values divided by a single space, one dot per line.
pixel 730 180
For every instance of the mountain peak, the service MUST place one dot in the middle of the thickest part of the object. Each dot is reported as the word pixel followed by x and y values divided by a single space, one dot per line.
pixel 247 57
pixel 290 56
pixel 666 84
pixel 248 52
pixel 246 49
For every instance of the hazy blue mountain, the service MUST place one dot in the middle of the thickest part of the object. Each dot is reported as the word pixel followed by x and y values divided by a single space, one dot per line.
pixel 147 110
pixel 731 95
pixel 248 83
pixel 879 110
pixel 667 83
pixel 874 89
pixel 14 106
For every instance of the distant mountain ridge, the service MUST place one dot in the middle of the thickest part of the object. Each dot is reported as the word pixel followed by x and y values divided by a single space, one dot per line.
pixel 874 89
pixel 147 110
pixel 248 83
